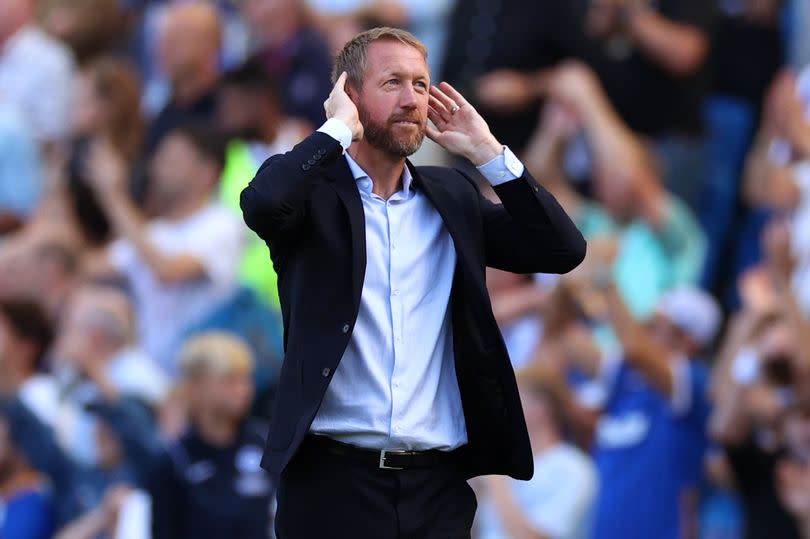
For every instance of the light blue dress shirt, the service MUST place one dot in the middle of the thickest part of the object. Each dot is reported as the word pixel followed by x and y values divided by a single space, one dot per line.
pixel 395 387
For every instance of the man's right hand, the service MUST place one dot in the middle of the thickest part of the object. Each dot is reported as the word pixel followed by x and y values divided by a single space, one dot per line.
pixel 340 106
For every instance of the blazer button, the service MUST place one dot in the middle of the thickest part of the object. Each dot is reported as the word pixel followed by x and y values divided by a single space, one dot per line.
pixel 345 328
pixel 326 371
pixel 311 162
pixel 305 166
pixel 316 156
pixel 322 152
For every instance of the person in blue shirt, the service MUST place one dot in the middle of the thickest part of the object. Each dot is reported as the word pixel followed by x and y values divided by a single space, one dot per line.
pixel 650 437
pixel 26 511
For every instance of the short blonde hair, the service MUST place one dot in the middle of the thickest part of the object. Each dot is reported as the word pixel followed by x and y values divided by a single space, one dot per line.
pixel 215 352
pixel 352 58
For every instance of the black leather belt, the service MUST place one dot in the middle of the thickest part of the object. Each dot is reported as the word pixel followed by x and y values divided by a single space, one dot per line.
pixel 383 459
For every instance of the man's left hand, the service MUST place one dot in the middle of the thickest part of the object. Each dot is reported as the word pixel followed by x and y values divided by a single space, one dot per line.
pixel 459 128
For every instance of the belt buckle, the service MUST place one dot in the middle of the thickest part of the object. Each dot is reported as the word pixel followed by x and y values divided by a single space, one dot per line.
pixel 383 465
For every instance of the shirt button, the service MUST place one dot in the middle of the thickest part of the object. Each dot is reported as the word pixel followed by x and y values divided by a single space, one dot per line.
pixel 325 372
pixel 345 328
pixel 396 384
pixel 395 292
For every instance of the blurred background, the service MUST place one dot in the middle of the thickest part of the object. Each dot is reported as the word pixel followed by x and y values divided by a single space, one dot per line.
pixel 666 382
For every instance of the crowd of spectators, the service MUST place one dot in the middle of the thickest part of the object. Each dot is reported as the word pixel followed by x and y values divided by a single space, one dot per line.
pixel 665 382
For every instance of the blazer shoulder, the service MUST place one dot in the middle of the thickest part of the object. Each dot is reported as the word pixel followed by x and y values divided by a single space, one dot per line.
pixel 452 175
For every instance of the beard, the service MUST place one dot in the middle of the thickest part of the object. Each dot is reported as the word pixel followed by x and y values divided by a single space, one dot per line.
pixel 383 136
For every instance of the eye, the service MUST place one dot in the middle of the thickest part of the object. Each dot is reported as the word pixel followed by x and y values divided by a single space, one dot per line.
pixel 421 84
pixel 391 82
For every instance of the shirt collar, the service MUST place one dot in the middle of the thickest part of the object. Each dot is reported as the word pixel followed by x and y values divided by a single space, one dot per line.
pixel 365 183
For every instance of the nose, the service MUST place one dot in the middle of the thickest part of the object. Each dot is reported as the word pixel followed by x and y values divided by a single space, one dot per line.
pixel 407 98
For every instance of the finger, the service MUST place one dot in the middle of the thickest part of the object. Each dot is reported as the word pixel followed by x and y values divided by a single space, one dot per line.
pixel 340 83
pixel 443 98
pixel 440 109
pixel 433 134
pixel 436 118
pixel 453 94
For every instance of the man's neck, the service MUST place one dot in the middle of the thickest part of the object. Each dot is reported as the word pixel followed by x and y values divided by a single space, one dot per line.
pixel 215 430
pixel 186 207
pixel 385 171
pixel 192 90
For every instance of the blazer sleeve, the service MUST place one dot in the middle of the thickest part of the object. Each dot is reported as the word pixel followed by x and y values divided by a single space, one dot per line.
pixel 529 232
pixel 276 200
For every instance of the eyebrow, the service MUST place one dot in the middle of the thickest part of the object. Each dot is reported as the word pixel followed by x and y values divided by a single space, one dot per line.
pixel 401 74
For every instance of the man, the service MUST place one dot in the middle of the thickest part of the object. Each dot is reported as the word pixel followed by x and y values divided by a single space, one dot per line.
pixel 294 52
pixel 190 43
pixel 210 483
pixel 182 264
pixel 651 437
pixel 660 243
pixel 33 66
pixel 394 363
pixel 249 109
pixel 558 501
pixel 100 361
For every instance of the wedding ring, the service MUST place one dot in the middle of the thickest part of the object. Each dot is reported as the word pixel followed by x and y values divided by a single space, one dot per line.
pixel 454 109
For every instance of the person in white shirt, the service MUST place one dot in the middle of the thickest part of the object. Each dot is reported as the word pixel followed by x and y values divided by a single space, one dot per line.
pixel 558 501
pixel 36 71
pixel 183 263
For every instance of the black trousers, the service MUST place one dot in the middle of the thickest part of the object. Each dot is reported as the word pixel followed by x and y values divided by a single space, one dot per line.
pixel 322 495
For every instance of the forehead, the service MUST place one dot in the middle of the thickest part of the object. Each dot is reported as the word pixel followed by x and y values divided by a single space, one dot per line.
pixel 391 55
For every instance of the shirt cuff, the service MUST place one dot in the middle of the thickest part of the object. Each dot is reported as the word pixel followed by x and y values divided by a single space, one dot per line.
pixel 338 130
pixel 503 168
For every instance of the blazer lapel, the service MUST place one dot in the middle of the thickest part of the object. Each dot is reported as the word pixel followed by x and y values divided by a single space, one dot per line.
pixel 449 210
pixel 342 181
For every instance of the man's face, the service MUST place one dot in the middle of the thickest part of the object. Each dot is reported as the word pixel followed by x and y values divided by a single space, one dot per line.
pixel 668 334
pixel 227 395
pixel 238 112
pixel 393 101
pixel 175 166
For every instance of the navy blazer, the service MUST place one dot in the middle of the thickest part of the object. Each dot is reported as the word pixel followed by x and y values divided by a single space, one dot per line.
pixel 306 206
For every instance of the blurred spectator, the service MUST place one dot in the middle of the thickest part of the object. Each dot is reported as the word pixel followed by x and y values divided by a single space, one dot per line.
pixel 341 20
pixel 106 110
pixel 747 48
pixel 27 508
pixel 500 75
pixel 20 169
pixel 88 27
pixel 183 263
pixel 761 376
pixel 98 357
pixel 650 57
pixel 516 303
pixel 36 71
pixel 293 51
pixel 558 501
pixel 210 483
pixel 25 337
pixel 249 110
pixel 778 169
pixel 190 43
pixel 650 439
pixel 659 244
